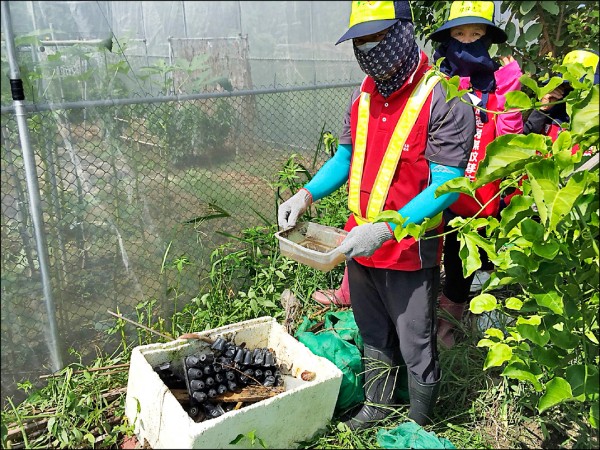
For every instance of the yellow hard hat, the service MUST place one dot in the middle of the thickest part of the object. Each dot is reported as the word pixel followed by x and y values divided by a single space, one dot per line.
pixel 372 17
pixel 463 13
pixel 586 58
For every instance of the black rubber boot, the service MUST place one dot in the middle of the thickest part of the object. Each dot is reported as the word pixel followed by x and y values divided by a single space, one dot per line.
pixel 380 381
pixel 422 400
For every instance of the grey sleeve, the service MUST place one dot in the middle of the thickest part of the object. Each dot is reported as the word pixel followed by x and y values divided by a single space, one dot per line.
pixel 451 130
pixel 345 135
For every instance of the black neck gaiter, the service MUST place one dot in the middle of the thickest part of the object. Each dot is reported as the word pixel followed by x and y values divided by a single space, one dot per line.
pixel 469 60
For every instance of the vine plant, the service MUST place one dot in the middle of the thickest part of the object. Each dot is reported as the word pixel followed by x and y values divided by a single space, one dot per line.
pixel 546 244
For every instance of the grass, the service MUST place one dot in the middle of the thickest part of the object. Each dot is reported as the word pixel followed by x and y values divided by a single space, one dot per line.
pixel 81 407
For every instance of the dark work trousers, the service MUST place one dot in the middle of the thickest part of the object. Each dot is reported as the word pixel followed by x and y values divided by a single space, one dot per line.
pixel 395 308
pixel 456 287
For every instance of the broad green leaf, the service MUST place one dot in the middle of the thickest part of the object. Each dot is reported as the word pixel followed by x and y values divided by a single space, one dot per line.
pixel 557 390
pixel 526 6
pixel 531 320
pixel 576 378
pixel 551 300
pixel 517 100
pixel 566 198
pixel 551 7
pixel 543 176
pixel 563 142
pixel 509 153
pixel 470 242
pixel 526 80
pixel 546 356
pixel 547 250
pixel 585 114
pixel 459 184
pixel 533 32
pixel 520 371
pixel 513 303
pixel 534 333
pixel 552 84
pixel 495 332
pixel 482 303
pixel 562 338
pixel 518 209
pixel 497 355
pixel 532 230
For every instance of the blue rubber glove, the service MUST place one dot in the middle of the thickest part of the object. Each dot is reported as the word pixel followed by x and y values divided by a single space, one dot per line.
pixel 364 239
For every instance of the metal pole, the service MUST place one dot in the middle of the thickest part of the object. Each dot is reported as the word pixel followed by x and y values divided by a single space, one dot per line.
pixel 32 187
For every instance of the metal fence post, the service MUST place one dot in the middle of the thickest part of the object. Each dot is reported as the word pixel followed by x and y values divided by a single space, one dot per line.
pixel 32 188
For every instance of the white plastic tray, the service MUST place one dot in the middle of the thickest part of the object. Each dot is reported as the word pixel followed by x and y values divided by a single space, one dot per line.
pixel 312 244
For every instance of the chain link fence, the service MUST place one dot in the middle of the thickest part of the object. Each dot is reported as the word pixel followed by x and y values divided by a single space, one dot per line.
pixel 122 187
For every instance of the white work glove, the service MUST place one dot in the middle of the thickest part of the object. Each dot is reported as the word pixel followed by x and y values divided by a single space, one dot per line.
pixel 291 209
pixel 364 239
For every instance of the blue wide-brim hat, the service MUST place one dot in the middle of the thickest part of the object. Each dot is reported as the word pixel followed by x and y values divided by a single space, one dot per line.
pixel 464 13
pixel 372 17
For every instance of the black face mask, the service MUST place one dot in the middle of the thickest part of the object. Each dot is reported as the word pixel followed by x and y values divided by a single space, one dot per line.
pixel 391 62
pixel 469 60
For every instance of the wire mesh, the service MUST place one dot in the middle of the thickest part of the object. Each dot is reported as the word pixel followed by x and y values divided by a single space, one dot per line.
pixel 121 188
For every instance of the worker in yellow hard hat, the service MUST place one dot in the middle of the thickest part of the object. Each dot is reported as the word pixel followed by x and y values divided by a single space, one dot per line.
pixel 400 140
pixel 548 119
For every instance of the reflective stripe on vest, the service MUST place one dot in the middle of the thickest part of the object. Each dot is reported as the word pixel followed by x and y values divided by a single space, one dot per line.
pixel 392 154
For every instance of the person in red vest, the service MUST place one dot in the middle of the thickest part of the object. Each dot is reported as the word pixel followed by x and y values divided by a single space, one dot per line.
pixel 552 116
pixel 400 141
pixel 465 39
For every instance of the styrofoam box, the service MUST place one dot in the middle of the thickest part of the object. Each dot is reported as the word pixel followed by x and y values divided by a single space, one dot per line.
pixel 282 421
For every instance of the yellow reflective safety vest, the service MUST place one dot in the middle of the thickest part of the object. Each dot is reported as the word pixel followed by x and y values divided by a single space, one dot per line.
pixel 388 165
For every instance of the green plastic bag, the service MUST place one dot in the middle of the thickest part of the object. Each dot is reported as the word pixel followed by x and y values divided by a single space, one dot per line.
pixel 340 343
pixel 410 435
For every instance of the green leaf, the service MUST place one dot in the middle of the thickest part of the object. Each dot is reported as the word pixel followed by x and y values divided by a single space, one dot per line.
pixel 482 303
pixel 237 439
pixel 509 153
pixel 557 390
pixel 566 198
pixel 518 210
pixel 543 176
pixel 520 371
pixel 546 356
pixel 526 6
pixel 518 100
pixel 563 142
pixel 584 381
pixel 497 355
pixel 594 415
pixel 532 230
pixel 584 117
pixel 495 332
pixel 533 32
pixel 459 184
pixel 547 250
pixel 551 7
pixel 551 300
pixel 534 334
pixel 563 338
pixel 526 80
pixel 513 303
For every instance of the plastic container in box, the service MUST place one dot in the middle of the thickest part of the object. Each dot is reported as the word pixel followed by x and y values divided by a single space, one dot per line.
pixel 312 244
